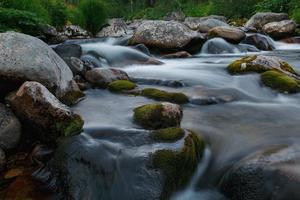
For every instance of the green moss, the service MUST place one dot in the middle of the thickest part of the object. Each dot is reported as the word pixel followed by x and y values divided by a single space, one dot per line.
pixel 287 67
pixel 161 95
pixel 121 85
pixel 69 128
pixel 72 97
pixel 280 82
pixel 168 134
pixel 151 117
pixel 179 166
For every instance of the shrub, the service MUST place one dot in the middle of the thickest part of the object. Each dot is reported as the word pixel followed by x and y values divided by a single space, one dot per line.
pixel 57 11
pixel 75 16
pixel 94 13
pixel 273 6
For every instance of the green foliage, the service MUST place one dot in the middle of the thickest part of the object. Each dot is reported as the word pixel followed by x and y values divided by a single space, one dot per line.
pixel 95 14
pixel 273 6
pixel 75 16
pixel 57 11
pixel 17 20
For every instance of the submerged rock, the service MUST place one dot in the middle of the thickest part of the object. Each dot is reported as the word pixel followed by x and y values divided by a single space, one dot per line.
pixel 219 46
pixel 280 82
pixel 25 58
pixel 115 28
pixel 179 166
pixel 260 41
pixel 101 77
pixel 280 29
pixel 180 54
pixel 68 50
pixel 258 20
pixel 161 95
pixel 121 85
pixel 272 173
pixel 167 36
pixel 260 64
pixel 228 33
pixel 160 115
pixel 168 134
pixel 40 110
pixel 10 129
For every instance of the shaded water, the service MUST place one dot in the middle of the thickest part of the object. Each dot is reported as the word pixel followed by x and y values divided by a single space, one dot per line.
pixel 111 159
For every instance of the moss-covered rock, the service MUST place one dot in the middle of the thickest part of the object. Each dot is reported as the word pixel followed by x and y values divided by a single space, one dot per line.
pixel 121 85
pixel 280 82
pixel 179 166
pixel 168 134
pixel 156 116
pixel 259 64
pixel 161 95
pixel 72 97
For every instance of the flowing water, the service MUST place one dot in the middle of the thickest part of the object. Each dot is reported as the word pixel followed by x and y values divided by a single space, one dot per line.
pixel 111 159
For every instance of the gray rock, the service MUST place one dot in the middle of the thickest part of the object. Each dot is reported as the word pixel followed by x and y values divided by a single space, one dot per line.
pixel 208 24
pixel 10 129
pixel 228 33
pixel 115 28
pixel 167 36
pixel 194 22
pixel 75 32
pixel 260 41
pixel 68 50
pixel 258 20
pixel 280 29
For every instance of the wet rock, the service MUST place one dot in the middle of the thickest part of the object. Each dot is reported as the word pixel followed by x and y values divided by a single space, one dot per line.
pixel 230 34
pixel 101 77
pixel 75 32
pixel 142 48
pixel 115 28
pixel 280 82
pixel 180 54
pixel 2 160
pixel 168 134
pixel 194 22
pixel 161 95
pixel 76 65
pixel 272 173
pixel 23 58
pixel 121 85
pixel 260 64
pixel 219 46
pixel 168 83
pixel 292 40
pixel 175 16
pixel 167 36
pixel 280 29
pixel 260 41
pixel 82 83
pixel 68 50
pixel 179 166
pixel 45 114
pixel 92 60
pixel 41 154
pixel 258 20
pixel 157 116
pixel 10 129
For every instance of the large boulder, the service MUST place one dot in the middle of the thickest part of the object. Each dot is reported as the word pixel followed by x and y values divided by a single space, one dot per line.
pixel 208 24
pixel 115 28
pixel 101 77
pixel 260 41
pixel 219 46
pixel 258 20
pixel 167 36
pixel 280 29
pixel 228 33
pixel 157 116
pixel 194 22
pixel 272 173
pixel 25 58
pixel 10 129
pixel 43 112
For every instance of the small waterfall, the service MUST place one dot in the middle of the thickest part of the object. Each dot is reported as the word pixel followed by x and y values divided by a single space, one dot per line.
pixel 219 46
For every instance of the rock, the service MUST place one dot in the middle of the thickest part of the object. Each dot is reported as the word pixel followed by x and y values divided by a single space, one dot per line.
pixel 50 34
pixel 168 134
pixel 260 41
pixel 68 50
pixel 10 129
pixel 121 85
pixel 82 83
pixel 76 65
pixel 179 166
pixel 167 36
pixel 180 54
pixel 142 48
pixel 208 24
pixel 194 22
pixel 175 16
pixel 101 77
pixel 2 160
pixel 258 20
pixel 115 28
pixel 75 32
pixel 157 116
pixel 41 154
pixel 280 29
pixel 149 81
pixel 260 64
pixel 161 95
pixel 230 34
pixel 280 82
pixel 92 60
pixel 292 40
pixel 48 30
pixel 219 46
pixel 272 173
pixel 40 110
pixel 24 58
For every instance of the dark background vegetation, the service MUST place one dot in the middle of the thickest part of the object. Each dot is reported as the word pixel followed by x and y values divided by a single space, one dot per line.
pixel 24 15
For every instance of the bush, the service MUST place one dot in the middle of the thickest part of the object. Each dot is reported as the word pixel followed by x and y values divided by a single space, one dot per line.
pixel 57 11
pixel 23 21
pixel 273 6
pixel 75 16
pixel 94 14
